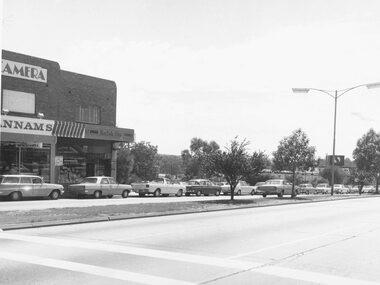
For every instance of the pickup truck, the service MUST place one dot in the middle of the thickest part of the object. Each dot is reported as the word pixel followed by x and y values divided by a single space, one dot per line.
pixel 158 187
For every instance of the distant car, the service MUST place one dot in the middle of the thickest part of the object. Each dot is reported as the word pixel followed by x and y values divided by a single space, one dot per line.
pixel 306 188
pixel 277 187
pixel 98 187
pixel 340 189
pixel 15 187
pixel 368 189
pixel 202 186
pixel 158 187
pixel 323 188
pixel 241 188
pixel 354 189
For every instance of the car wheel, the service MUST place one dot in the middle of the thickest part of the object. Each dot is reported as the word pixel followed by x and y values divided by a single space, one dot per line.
pixel 157 193
pixel 280 194
pixel 109 196
pixel 198 193
pixel 97 194
pixel 141 194
pixel 238 193
pixel 125 194
pixel 15 196
pixel 264 195
pixel 179 193
pixel 253 192
pixel 217 193
pixel 54 195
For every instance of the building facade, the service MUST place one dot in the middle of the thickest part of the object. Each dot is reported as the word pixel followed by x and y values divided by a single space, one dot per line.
pixel 57 124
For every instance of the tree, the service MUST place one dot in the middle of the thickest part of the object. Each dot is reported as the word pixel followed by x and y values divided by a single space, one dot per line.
pixel 195 161
pixel 294 153
pixel 339 175
pixel 170 164
pixel 124 164
pixel 235 163
pixel 145 161
pixel 367 155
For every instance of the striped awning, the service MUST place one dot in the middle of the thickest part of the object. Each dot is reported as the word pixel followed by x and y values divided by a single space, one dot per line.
pixel 68 129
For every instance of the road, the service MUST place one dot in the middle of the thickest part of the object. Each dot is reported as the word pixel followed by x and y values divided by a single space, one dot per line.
pixel 316 243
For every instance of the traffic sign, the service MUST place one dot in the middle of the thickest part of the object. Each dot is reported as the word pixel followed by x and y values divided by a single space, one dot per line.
pixel 339 160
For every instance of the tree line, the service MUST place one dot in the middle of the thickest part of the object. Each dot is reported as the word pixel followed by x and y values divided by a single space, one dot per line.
pixel 232 163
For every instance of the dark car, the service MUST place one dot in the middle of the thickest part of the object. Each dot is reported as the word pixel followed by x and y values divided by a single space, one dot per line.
pixel 202 186
pixel 15 187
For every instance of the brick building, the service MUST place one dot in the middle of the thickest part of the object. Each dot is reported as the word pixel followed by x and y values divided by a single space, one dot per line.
pixel 55 123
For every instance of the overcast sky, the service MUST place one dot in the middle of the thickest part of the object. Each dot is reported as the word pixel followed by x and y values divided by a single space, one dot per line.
pixel 216 69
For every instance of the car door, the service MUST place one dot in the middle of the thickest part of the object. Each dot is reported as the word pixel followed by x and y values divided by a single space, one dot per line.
pixel 26 186
pixel 38 189
pixel 105 186
pixel 114 187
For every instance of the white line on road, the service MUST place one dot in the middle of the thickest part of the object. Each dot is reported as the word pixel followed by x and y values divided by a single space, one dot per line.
pixel 91 269
pixel 196 259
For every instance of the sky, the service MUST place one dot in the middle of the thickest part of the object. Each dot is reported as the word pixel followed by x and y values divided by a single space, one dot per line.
pixel 216 69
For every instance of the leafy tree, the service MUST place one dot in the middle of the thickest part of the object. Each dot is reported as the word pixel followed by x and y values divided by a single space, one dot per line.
pixel 235 163
pixel 124 164
pixel 170 164
pixel 195 161
pixel 367 155
pixel 258 161
pixel 145 161
pixel 294 153
pixel 339 175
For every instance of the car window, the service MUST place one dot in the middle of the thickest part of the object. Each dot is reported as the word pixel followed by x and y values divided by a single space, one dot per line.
pixel 104 181
pixel 112 180
pixel 26 180
pixel 90 180
pixel 11 180
pixel 37 180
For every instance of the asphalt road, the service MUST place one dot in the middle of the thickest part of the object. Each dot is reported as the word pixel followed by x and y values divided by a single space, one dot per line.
pixel 319 243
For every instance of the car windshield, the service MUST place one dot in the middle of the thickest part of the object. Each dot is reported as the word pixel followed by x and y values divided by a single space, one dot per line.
pixel 158 180
pixel 194 182
pixel 90 180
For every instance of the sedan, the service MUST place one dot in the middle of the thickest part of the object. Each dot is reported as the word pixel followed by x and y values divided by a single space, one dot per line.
pixel 15 187
pixel 277 187
pixel 202 186
pixel 241 188
pixel 100 186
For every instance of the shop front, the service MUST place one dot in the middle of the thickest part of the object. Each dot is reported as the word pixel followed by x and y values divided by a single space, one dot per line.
pixel 27 146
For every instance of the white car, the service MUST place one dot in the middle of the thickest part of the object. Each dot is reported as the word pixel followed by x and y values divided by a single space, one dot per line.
pixel 340 189
pixel 323 188
pixel 277 187
pixel 368 189
pixel 242 188
pixel 158 187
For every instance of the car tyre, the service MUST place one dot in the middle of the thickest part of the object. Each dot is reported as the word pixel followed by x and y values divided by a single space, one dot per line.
pixel 217 193
pixel 54 195
pixel 238 193
pixel 179 193
pixel 198 193
pixel 264 195
pixel 157 193
pixel 187 194
pixel 280 194
pixel 15 196
pixel 141 194
pixel 125 194
pixel 253 192
pixel 97 194
pixel 109 196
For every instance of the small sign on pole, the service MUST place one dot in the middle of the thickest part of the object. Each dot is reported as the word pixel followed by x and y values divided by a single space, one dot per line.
pixel 59 160
pixel 339 160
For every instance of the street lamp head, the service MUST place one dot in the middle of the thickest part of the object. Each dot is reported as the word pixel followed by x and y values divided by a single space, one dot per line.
pixel 301 90
pixel 373 85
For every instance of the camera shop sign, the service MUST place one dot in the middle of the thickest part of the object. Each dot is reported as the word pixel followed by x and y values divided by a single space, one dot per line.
pixel 21 125
pixel 24 71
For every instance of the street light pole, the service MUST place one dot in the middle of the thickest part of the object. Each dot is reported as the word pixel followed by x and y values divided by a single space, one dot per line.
pixel 335 95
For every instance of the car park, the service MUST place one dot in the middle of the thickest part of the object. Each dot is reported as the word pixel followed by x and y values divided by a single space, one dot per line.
pixel 200 187
pixel 16 187
pixel 242 188
pixel 306 188
pixel 98 187
pixel 158 187
pixel 279 187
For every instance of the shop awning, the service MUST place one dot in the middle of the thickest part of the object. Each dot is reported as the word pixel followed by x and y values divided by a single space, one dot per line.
pixel 68 129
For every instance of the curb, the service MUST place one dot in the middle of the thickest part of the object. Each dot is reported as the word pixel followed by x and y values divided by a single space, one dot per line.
pixel 153 215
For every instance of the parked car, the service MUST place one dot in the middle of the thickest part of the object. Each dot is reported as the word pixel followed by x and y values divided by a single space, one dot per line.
pixel 277 187
pixel 202 186
pixel 323 188
pixel 306 188
pixel 158 187
pixel 354 189
pixel 368 189
pixel 255 190
pixel 99 186
pixel 340 189
pixel 242 188
pixel 15 187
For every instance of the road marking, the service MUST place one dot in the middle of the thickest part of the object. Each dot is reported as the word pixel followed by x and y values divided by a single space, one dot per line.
pixel 246 253
pixel 91 269
pixel 190 258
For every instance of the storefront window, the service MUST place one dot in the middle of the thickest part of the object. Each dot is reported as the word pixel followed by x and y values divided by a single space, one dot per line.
pixel 23 158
